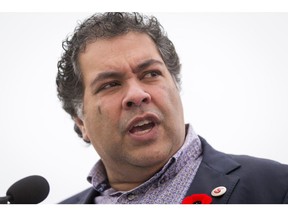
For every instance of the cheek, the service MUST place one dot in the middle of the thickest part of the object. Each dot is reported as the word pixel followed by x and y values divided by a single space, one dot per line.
pixel 99 110
pixel 169 98
pixel 108 108
pixel 102 123
pixel 100 114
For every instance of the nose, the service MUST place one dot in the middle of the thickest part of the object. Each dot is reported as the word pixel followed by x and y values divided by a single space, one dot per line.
pixel 135 96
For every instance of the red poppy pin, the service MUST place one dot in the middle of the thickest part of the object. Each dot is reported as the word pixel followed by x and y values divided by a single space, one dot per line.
pixel 197 199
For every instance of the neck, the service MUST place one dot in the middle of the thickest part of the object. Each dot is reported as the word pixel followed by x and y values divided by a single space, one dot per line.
pixel 131 178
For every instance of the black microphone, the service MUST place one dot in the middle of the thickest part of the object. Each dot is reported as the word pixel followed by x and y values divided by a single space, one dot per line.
pixel 30 190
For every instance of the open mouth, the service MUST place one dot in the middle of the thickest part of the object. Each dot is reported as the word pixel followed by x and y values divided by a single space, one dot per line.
pixel 142 127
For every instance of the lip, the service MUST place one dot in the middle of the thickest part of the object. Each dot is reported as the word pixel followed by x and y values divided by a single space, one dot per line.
pixel 148 116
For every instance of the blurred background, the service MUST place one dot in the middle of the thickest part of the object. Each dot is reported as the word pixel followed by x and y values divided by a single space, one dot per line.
pixel 234 91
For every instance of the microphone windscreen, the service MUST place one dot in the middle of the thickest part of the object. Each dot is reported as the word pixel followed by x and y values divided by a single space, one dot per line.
pixel 30 190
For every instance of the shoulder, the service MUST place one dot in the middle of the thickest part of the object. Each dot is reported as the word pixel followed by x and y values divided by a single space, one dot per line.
pixel 247 163
pixel 260 180
pixel 266 170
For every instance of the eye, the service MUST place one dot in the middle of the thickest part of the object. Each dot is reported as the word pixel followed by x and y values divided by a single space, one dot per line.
pixel 151 74
pixel 108 85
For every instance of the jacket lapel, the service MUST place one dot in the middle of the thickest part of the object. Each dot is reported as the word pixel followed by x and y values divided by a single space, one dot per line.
pixel 215 170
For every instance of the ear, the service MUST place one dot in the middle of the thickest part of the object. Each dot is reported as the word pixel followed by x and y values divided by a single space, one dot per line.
pixel 80 124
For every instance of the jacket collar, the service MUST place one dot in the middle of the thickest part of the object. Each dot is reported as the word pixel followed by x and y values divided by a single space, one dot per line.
pixel 214 171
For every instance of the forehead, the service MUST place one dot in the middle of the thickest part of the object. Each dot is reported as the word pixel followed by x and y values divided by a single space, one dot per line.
pixel 114 52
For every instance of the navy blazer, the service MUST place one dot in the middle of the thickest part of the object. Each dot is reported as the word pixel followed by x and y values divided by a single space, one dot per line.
pixel 248 180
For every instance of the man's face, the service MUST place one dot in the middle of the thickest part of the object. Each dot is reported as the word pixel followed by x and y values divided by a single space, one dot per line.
pixel 132 109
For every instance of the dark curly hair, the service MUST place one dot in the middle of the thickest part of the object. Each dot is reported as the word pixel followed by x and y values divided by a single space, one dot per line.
pixel 104 26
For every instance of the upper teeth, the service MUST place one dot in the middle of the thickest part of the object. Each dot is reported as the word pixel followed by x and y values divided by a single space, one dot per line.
pixel 142 123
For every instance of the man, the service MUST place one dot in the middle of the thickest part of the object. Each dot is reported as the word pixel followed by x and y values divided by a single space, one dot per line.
pixel 119 80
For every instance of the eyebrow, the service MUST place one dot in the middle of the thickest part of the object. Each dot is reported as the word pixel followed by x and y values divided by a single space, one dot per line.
pixel 106 75
pixel 146 64
pixel 116 75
